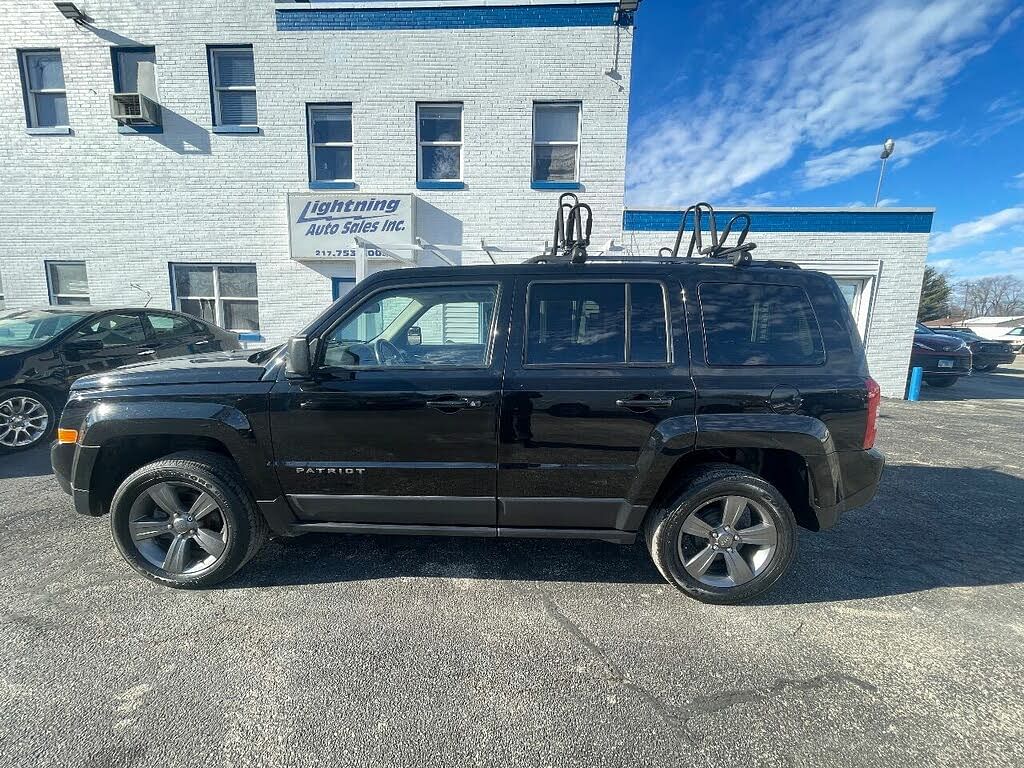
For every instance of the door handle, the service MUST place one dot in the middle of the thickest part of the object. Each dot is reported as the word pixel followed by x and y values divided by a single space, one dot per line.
pixel 453 404
pixel 645 403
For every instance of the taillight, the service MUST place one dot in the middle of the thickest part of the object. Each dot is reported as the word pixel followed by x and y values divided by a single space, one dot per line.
pixel 874 400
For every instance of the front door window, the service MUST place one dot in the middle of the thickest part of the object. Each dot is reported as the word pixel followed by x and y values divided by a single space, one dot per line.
pixel 434 326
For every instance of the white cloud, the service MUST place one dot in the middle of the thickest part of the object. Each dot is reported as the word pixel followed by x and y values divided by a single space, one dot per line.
pixel 808 73
pixel 943 265
pixel 1018 181
pixel 969 231
pixel 886 202
pixel 843 163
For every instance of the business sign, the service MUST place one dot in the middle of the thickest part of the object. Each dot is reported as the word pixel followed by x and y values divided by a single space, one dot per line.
pixel 324 227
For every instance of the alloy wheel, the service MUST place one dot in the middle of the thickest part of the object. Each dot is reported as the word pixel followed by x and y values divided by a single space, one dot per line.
pixel 178 528
pixel 727 541
pixel 24 421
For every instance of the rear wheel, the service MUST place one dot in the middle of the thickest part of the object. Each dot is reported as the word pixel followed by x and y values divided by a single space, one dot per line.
pixel 940 381
pixel 26 419
pixel 727 538
pixel 186 521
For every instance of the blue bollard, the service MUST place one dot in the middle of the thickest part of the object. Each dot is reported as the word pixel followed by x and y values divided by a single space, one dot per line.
pixel 914 390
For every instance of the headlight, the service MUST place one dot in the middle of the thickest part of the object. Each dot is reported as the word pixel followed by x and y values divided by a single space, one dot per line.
pixel 963 345
pixel 921 345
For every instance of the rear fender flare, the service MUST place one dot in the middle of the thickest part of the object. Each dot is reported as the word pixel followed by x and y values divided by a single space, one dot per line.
pixel 672 439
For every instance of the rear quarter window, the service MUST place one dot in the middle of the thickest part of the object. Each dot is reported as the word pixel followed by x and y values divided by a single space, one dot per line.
pixel 759 324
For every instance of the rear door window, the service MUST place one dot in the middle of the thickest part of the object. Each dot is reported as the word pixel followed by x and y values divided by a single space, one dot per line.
pixel 759 324
pixel 168 327
pixel 599 323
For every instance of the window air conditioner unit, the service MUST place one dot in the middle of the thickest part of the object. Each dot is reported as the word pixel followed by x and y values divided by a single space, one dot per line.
pixel 134 109
pixel 140 108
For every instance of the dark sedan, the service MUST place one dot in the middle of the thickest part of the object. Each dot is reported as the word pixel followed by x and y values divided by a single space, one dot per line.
pixel 986 352
pixel 42 351
pixel 943 359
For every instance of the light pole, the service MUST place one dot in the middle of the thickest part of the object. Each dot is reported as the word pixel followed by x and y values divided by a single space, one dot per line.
pixel 887 149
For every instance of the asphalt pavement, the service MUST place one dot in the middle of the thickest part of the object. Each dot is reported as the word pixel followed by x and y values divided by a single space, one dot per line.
pixel 897 638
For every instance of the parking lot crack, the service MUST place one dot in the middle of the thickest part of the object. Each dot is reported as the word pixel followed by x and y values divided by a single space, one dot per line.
pixel 782 685
pixel 613 674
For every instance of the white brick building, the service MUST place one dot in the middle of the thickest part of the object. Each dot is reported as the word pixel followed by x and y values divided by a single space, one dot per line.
pixel 480 112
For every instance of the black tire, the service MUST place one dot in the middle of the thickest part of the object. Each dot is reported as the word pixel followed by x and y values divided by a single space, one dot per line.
pixel 51 418
pixel 940 382
pixel 984 368
pixel 242 525
pixel 704 484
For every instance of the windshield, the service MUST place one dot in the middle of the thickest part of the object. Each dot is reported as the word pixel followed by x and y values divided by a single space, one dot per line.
pixel 31 328
pixel 924 329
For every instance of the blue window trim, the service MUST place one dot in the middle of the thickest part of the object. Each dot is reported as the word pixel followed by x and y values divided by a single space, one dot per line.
pixel 569 185
pixel 333 185
pixel 313 183
pixel 55 130
pixel 793 221
pixel 227 128
pixel 236 129
pixel 456 17
pixel 427 184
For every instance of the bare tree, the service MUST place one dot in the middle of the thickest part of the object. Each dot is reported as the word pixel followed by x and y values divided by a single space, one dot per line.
pixel 997 295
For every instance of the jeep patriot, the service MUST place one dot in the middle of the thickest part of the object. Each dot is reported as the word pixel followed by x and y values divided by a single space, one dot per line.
pixel 706 408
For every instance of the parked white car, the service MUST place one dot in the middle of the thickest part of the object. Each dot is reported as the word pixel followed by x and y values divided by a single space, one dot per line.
pixel 1015 338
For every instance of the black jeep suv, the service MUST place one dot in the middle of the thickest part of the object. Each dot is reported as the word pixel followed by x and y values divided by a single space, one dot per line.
pixel 705 408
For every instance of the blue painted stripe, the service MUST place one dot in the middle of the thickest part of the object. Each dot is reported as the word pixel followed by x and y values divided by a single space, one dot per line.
pixel 792 221
pixel 556 185
pixel 436 184
pixel 489 17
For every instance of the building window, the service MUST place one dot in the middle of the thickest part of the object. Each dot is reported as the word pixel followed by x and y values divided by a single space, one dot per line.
pixel 233 82
pixel 224 294
pixel 556 142
pixel 42 78
pixel 439 133
pixel 126 67
pixel 759 324
pixel 68 282
pixel 330 142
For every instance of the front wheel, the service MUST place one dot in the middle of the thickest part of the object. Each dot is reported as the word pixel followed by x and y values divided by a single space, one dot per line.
pixel 26 420
pixel 727 538
pixel 186 521
pixel 942 382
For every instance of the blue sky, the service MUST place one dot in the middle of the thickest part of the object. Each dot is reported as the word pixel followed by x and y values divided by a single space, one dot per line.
pixel 787 104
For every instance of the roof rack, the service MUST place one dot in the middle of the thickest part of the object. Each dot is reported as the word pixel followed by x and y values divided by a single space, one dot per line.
pixel 738 253
pixel 574 222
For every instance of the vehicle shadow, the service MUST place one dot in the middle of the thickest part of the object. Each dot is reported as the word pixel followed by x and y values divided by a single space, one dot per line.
pixel 928 527
pixel 326 558
pixel 33 463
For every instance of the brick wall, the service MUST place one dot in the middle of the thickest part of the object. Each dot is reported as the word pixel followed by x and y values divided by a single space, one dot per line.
pixel 130 204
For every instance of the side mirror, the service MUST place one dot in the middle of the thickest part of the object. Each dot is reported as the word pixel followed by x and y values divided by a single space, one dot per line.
pixel 414 336
pixel 299 364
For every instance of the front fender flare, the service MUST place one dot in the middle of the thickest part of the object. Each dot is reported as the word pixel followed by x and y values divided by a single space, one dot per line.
pixel 225 424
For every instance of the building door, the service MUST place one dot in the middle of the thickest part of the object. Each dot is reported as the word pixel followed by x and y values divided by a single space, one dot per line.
pixel 398 426
pixel 341 286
